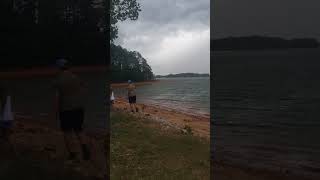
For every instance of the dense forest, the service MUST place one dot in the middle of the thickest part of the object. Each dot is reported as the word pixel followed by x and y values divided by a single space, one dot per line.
pixel 129 65
pixel 36 32
pixel 126 64
pixel 261 42
pixel 183 75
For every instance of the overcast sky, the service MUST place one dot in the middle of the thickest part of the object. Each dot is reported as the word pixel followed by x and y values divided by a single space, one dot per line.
pixel 286 18
pixel 173 35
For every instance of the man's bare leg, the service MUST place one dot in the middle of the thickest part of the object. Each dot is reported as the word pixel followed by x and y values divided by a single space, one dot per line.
pixel 84 147
pixel 68 143
pixel 136 107
pixel 131 107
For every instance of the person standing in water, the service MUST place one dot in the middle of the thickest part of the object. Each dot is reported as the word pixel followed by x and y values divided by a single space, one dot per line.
pixel 132 96
pixel 70 94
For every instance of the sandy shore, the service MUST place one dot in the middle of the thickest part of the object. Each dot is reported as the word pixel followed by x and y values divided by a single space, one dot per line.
pixel 48 71
pixel 200 125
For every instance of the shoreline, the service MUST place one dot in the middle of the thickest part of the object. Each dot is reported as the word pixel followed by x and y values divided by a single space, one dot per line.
pixel 48 71
pixel 197 114
pixel 199 125
pixel 124 84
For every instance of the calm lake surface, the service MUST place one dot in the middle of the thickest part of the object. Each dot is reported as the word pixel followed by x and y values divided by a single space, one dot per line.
pixel 191 95
pixel 266 109
pixel 34 97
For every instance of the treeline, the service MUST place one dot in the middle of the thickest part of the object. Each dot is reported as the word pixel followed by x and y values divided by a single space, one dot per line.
pixel 125 64
pixel 129 65
pixel 36 32
pixel 183 75
pixel 261 42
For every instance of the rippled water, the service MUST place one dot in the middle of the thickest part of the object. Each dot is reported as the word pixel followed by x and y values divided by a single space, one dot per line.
pixel 185 94
pixel 266 109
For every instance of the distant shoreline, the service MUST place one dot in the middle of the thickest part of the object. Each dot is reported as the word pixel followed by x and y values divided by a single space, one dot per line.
pixel 184 75
pixel 48 71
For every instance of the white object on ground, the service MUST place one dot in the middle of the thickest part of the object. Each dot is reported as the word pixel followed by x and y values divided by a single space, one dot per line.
pixel 112 96
pixel 7 110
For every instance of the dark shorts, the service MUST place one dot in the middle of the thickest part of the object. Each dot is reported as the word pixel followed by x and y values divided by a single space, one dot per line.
pixel 71 120
pixel 132 99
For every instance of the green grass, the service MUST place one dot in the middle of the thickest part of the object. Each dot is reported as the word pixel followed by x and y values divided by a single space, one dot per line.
pixel 140 149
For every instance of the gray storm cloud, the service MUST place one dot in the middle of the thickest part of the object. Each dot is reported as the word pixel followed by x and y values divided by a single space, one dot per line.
pixel 173 35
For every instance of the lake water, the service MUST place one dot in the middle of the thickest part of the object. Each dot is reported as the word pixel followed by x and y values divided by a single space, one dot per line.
pixel 34 97
pixel 266 109
pixel 191 95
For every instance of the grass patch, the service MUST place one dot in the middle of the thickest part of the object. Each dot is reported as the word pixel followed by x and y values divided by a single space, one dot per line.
pixel 140 149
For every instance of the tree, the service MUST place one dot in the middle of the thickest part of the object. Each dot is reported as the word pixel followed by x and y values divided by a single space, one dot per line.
pixel 36 32
pixel 129 65
pixel 122 10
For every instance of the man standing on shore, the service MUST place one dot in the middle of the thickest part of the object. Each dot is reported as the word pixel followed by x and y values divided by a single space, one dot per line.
pixel 70 95
pixel 132 96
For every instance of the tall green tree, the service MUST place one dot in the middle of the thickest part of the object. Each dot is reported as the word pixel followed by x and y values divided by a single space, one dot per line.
pixel 36 32
pixel 122 10
pixel 129 65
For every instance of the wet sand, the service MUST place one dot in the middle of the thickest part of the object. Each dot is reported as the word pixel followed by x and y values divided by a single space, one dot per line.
pixel 200 125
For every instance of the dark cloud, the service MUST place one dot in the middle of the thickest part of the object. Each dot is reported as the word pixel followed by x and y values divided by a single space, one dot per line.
pixel 172 34
pixel 287 18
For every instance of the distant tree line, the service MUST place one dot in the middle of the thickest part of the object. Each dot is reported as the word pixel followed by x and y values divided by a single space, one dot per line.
pixel 129 65
pixel 183 75
pixel 36 32
pixel 261 42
